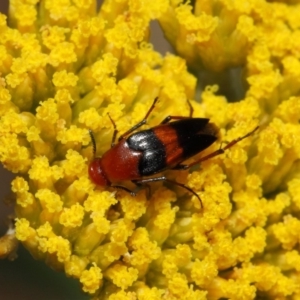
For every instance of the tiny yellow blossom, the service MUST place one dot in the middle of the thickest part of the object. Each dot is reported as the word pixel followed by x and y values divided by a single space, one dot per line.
pixel 91 279
pixel 72 217
pixel 122 276
pixel 49 200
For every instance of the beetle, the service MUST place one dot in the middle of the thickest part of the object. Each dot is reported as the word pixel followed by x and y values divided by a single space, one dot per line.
pixel 140 155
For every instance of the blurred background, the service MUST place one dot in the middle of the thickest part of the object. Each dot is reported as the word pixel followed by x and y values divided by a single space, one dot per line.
pixel 26 278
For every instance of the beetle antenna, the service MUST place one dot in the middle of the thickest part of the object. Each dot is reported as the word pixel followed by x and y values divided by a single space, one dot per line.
pixel 93 141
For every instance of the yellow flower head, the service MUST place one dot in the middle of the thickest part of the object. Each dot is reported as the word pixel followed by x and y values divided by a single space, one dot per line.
pixel 66 68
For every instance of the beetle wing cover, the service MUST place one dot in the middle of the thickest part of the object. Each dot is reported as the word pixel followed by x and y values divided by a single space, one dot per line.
pixel 167 145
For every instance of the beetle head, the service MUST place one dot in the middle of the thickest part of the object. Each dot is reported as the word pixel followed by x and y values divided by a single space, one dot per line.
pixel 96 172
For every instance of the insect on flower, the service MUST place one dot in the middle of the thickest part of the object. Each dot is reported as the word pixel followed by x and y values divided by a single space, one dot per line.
pixel 137 156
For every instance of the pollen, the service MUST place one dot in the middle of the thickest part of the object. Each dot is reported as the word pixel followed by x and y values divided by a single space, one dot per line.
pixel 143 249
pixel 104 67
pixel 53 35
pixel 64 79
pixel 74 165
pixel 48 111
pixel 90 118
pixel 203 272
pixel 63 53
pixel 73 134
pixel 122 276
pixel 42 172
pixel 23 230
pixel 72 217
pixel 60 246
pixel 49 200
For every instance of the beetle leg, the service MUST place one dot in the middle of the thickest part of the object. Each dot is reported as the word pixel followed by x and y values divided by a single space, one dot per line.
pixel 93 142
pixel 135 127
pixel 132 193
pixel 115 131
pixel 221 150
pixel 180 167
pixel 164 178
pixel 140 186
pixel 169 118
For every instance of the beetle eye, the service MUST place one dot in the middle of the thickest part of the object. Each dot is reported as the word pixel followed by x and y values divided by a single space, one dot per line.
pixel 96 174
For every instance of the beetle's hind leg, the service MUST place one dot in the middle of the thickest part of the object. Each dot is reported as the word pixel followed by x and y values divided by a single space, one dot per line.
pixel 140 186
pixel 220 151
pixel 164 178
pixel 120 187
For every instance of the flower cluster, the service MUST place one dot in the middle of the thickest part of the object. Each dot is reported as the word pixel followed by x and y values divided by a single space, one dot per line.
pixel 64 66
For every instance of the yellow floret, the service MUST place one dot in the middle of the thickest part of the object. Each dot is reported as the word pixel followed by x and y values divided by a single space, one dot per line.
pixel 122 276
pixel 121 230
pixel 53 35
pixel 114 251
pixel 263 85
pixel 101 223
pixel 14 79
pixel 33 134
pixel 72 217
pixel 74 134
pixel 199 27
pixel 13 122
pixel 63 53
pixel 245 26
pixel 289 110
pixel 60 246
pixel 43 173
pixel 134 207
pixel 268 144
pixel 279 204
pixel 90 118
pixel 254 182
pixel 47 111
pixel 286 232
pixel 49 200
pixel 45 230
pixel 23 230
pixel 178 285
pixel 5 96
pixel 19 185
pixel 25 13
pixel 25 199
pixel 255 241
pixel 74 165
pixel 64 79
pixel 99 201
pixel 15 158
pixel 61 9
pixel 91 279
pixel 104 67
pixel 142 249
pixel 165 213
pixel 64 96
pixel 75 266
pixel 204 271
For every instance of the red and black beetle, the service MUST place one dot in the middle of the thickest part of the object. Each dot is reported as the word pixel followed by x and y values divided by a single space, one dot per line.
pixel 148 152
